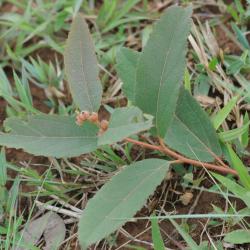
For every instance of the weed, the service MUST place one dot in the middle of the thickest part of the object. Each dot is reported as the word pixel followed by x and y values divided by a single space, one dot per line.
pixel 161 116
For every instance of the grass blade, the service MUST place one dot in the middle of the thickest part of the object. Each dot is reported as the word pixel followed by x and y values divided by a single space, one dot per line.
pixel 191 243
pixel 240 168
pixel 219 118
pixel 156 235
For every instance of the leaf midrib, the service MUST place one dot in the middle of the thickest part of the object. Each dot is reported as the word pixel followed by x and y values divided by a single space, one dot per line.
pixel 129 194
pixel 84 76
pixel 161 79
pixel 50 137
pixel 185 144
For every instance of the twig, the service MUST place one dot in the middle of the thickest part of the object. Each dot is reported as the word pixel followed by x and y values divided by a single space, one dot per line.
pixel 175 242
pixel 163 148
pixel 67 205
pixel 58 210
pixel 112 99
pixel 128 235
pixel 225 170
pixel 192 208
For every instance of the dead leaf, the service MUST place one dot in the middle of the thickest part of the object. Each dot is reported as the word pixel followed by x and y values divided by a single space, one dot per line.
pixel 50 225
pixel 32 232
pixel 207 101
pixel 55 232
pixel 186 198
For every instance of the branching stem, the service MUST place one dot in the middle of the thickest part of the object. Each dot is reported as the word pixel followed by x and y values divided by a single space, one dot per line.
pixel 181 159
pixel 103 125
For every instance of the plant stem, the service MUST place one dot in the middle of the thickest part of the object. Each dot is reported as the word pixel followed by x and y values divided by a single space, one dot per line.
pixel 163 148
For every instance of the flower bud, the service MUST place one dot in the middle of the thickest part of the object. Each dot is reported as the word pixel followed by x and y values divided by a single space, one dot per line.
pixel 81 117
pixel 79 121
pixel 93 117
pixel 84 115
pixel 104 125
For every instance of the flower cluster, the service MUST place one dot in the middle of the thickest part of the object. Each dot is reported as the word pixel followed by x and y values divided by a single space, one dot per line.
pixel 93 118
pixel 86 116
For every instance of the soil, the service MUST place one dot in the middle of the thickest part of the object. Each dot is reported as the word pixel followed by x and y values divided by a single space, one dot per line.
pixel 196 226
pixel 225 43
pixel 2 111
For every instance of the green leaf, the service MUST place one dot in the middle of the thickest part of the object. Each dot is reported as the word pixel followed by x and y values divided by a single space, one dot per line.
pixel 240 168
pixel 191 132
pixel 119 199
pixel 161 67
pixel 126 69
pixel 219 118
pixel 240 36
pixel 233 134
pixel 81 67
pixel 105 13
pixel 3 168
pixel 245 135
pixel 156 235
pixel 235 67
pixel 191 243
pixel 234 188
pixel 120 14
pixel 123 123
pixel 187 80
pixel 50 135
pixel 239 236
pixel 13 196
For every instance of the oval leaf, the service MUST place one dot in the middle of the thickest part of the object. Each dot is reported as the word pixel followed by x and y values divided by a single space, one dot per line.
pixel 119 199
pixel 161 67
pixel 191 132
pixel 32 232
pixel 50 135
pixel 239 236
pixel 81 67
pixel 124 122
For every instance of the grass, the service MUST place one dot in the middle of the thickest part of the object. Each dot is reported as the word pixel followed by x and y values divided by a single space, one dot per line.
pixel 32 40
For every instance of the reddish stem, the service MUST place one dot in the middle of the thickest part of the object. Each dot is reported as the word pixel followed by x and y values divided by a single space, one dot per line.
pixel 163 148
